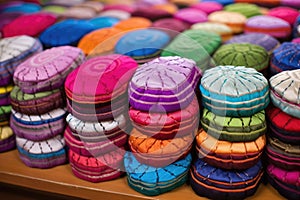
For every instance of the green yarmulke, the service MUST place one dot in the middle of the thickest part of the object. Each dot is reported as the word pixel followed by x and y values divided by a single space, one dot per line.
pixel 197 45
pixel 234 129
pixel 248 55
pixel 246 9
pixel 4 115
pixel 55 9
pixel 17 94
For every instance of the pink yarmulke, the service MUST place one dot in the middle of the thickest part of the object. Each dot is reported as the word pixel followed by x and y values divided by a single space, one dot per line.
pixel 288 14
pixel 31 24
pixel 191 15
pixel 296 40
pixel 208 7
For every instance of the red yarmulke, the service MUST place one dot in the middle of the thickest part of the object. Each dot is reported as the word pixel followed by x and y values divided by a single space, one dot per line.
pixel 31 25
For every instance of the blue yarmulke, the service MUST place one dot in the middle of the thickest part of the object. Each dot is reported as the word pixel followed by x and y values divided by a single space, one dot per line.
pixel 153 181
pixel 67 32
pixel 217 183
pixel 104 22
pixel 23 7
pixel 223 2
pixel 142 43
pixel 234 91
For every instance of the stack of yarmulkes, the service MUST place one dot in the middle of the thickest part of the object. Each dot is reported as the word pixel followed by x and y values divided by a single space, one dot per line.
pixel 283 149
pixel 231 143
pixel 164 112
pixel 285 57
pixel 38 114
pixel 17 49
pixel 98 121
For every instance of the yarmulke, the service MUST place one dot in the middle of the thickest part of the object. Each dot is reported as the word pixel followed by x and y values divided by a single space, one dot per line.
pixel 133 23
pixel 79 13
pixel 99 41
pixel 246 9
pixel 141 44
pixel 221 29
pixel 286 182
pixel 55 9
pixel 48 69
pixel 7 139
pixel 285 57
pixel 37 103
pixel 234 91
pixel 288 14
pixel 208 7
pixel 97 169
pixel 266 41
pixel 285 91
pixel 97 131
pixel 234 129
pixel 223 2
pixel 4 95
pixel 176 84
pixel 31 24
pixel 229 155
pixel 153 181
pixel 283 126
pixel 8 17
pixel 119 6
pixel 68 3
pixel 94 148
pixel 42 154
pixel 167 125
pixel 283 155
pixel 17 50
pixel 96 6
pixel 248 55
pixel 23 8
pixel 159 153
pixel 62 33
pixel 273 26
pixel 4 115
pixel 170 25
pixel 45 126
pixel 151 13
pixel 119 14
pixel 197 45
pixel 104 22
pixel 88 83
pixel 235 21
pixel 217 183
pixel 191 15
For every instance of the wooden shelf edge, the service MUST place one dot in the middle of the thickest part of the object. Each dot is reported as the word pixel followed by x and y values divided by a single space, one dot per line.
pixel 60 180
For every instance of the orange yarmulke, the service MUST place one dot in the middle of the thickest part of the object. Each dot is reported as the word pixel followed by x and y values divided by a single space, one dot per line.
pixel 169 7
pixel 133 23
pixel 89 42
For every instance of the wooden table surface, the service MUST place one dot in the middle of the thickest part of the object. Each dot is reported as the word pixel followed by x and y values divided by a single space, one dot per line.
pixel 60 180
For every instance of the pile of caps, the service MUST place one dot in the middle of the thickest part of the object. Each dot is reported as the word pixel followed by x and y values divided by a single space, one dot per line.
pixel 163 91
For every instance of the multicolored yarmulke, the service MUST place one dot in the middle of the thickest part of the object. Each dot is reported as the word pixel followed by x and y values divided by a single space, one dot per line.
pixel 234 91
pixel 234 129
pixel 37 103
pixel 42 154
pixel 217 183
pixel 285 91
pixel 153 181
pixel 176 84
pixel 17 50
pixel 285 57
pixel 159 153
pixel 286 182
pixel 48 69
pixel 248 55
pixel 266 41
pixel 229 155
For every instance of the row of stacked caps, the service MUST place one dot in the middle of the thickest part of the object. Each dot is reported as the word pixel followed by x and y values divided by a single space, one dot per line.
pixel 164 112
pixel 38 105
pixel 98 116
pixel 15 50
